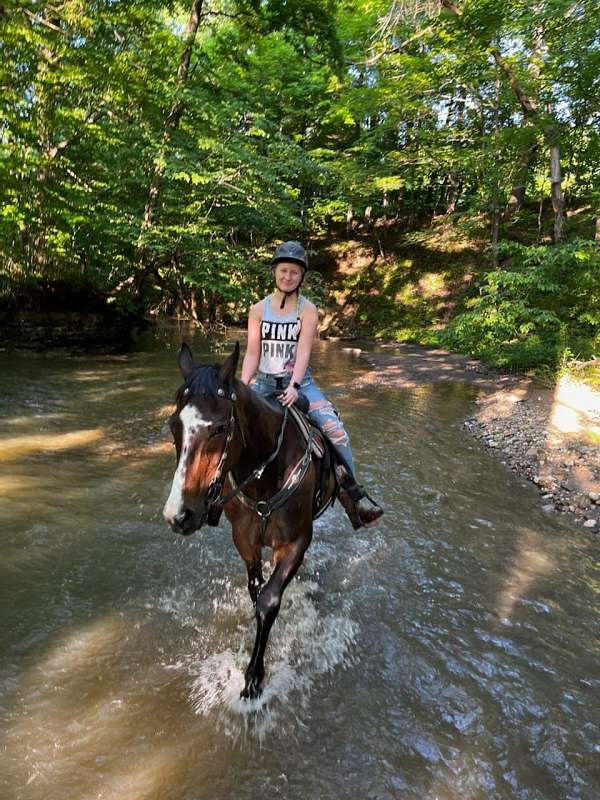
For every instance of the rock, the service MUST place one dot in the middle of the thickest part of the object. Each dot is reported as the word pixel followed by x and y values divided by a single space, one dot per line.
pixel 532 452
pixel 594 497
pixel 590 523
pixel 548 507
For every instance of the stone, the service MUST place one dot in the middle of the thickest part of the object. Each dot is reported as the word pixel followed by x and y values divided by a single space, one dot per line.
pixel 594 496
pixel 548 507
pixel 590 523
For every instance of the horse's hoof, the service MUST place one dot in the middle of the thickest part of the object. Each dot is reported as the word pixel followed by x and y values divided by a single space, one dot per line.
pixel 251 691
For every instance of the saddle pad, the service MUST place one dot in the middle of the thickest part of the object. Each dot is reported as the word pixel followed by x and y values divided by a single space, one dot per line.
pixel 318 446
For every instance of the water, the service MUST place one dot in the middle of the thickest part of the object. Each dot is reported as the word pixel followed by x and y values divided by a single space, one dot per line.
pixel 451 653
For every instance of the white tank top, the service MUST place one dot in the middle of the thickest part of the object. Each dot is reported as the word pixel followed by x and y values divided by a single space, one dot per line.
pixel 279 339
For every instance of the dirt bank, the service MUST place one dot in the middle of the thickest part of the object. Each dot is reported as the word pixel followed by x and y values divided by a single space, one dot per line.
pixel 550 436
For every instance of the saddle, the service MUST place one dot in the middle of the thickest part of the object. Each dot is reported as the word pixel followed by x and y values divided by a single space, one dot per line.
pixel 324 451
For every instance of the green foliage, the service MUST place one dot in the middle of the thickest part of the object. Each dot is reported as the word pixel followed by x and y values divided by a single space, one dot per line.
pixel 304 118
pixel 542 304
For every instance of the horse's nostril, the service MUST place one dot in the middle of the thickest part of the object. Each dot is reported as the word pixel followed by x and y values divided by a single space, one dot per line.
pixel 180 519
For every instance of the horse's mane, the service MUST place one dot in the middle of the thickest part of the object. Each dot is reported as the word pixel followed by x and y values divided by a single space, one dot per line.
pixel 203 380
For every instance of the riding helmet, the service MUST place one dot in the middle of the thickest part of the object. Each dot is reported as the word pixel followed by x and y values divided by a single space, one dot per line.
pixel 290 251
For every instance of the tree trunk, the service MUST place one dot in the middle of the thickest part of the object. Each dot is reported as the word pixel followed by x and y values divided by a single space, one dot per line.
pixel 495 193
pixel 558 200
pixel 452 197
pixel 597 236
pixel 453 177
pixel 517 193
pixel 170 125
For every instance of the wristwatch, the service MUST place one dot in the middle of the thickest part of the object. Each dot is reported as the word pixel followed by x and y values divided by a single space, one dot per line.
pixel 296 386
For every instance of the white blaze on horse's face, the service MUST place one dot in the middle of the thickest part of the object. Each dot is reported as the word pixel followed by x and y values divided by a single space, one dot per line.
pixel 192 420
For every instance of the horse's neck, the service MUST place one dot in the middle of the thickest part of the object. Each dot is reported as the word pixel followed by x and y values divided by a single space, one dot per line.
pixel 262 424
pixel 262 421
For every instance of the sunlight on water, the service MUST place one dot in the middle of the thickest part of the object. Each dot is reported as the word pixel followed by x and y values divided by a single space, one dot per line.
pixel 19 446
pixel 16 483
pixel 530 564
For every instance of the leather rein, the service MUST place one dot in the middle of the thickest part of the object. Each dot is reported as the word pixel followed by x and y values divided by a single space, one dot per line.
pixel 264 508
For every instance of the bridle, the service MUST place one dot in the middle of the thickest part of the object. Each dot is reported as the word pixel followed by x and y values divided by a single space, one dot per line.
pixel 264 508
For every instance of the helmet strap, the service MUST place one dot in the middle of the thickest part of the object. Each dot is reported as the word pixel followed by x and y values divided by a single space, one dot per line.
pixel 285 296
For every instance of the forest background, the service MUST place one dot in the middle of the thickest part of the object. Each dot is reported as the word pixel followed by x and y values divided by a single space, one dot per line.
pixel 440 159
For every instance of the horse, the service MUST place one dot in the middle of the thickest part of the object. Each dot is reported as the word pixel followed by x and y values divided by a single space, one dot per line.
pixel 241 454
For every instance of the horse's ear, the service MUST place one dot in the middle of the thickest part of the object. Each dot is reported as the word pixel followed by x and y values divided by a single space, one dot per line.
pixel 186 361
pixel 228 367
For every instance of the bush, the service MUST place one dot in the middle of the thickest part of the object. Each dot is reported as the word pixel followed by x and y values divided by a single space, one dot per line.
pixel 540 307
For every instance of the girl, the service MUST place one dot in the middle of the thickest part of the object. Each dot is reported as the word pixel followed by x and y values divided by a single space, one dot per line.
pixel 281 329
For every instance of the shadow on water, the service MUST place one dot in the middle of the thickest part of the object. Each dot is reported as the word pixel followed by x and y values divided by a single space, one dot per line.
pixel 452 652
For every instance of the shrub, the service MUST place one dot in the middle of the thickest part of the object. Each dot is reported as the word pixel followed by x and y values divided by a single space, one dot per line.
pixel 541 305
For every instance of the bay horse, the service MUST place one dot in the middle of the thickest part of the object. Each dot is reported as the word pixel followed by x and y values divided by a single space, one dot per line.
pixel 240 453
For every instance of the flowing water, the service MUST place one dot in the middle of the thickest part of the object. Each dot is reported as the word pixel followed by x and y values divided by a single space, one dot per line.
pixel 451 653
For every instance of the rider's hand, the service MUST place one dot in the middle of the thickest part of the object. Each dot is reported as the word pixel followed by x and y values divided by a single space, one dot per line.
pixel 289 397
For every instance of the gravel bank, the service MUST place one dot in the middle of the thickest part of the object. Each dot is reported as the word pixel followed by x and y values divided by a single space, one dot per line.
pixel 550 436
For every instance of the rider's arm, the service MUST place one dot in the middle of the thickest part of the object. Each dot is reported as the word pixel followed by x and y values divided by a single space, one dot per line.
pixel 252 357
pixel 310 320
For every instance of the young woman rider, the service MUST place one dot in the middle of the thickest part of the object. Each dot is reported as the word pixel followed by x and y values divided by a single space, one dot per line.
pixel 281 329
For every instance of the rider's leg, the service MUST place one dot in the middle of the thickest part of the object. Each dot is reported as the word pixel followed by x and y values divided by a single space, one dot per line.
pixel 361 510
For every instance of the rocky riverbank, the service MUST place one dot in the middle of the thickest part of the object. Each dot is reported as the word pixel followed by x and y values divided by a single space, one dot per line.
pixel 550 436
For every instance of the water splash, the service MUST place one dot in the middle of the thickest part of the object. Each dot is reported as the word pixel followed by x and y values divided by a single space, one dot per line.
pixel 305 644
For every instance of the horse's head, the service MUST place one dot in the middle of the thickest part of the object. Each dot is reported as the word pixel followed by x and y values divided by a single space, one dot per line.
pixel 203 427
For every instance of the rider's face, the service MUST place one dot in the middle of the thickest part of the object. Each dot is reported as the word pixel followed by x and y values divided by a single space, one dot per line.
pixel 288 276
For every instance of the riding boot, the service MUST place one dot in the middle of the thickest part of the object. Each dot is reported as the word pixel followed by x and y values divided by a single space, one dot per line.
pixel 361 510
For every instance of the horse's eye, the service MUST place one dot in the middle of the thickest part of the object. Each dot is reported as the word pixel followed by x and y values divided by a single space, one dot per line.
pixel 218 431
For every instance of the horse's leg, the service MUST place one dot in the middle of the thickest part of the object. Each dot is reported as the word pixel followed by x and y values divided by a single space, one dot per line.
pixel 287 558
pixel 247 542
pixel 255 578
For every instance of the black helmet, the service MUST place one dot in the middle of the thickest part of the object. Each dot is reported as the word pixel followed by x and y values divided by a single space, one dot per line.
pixel 290 251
